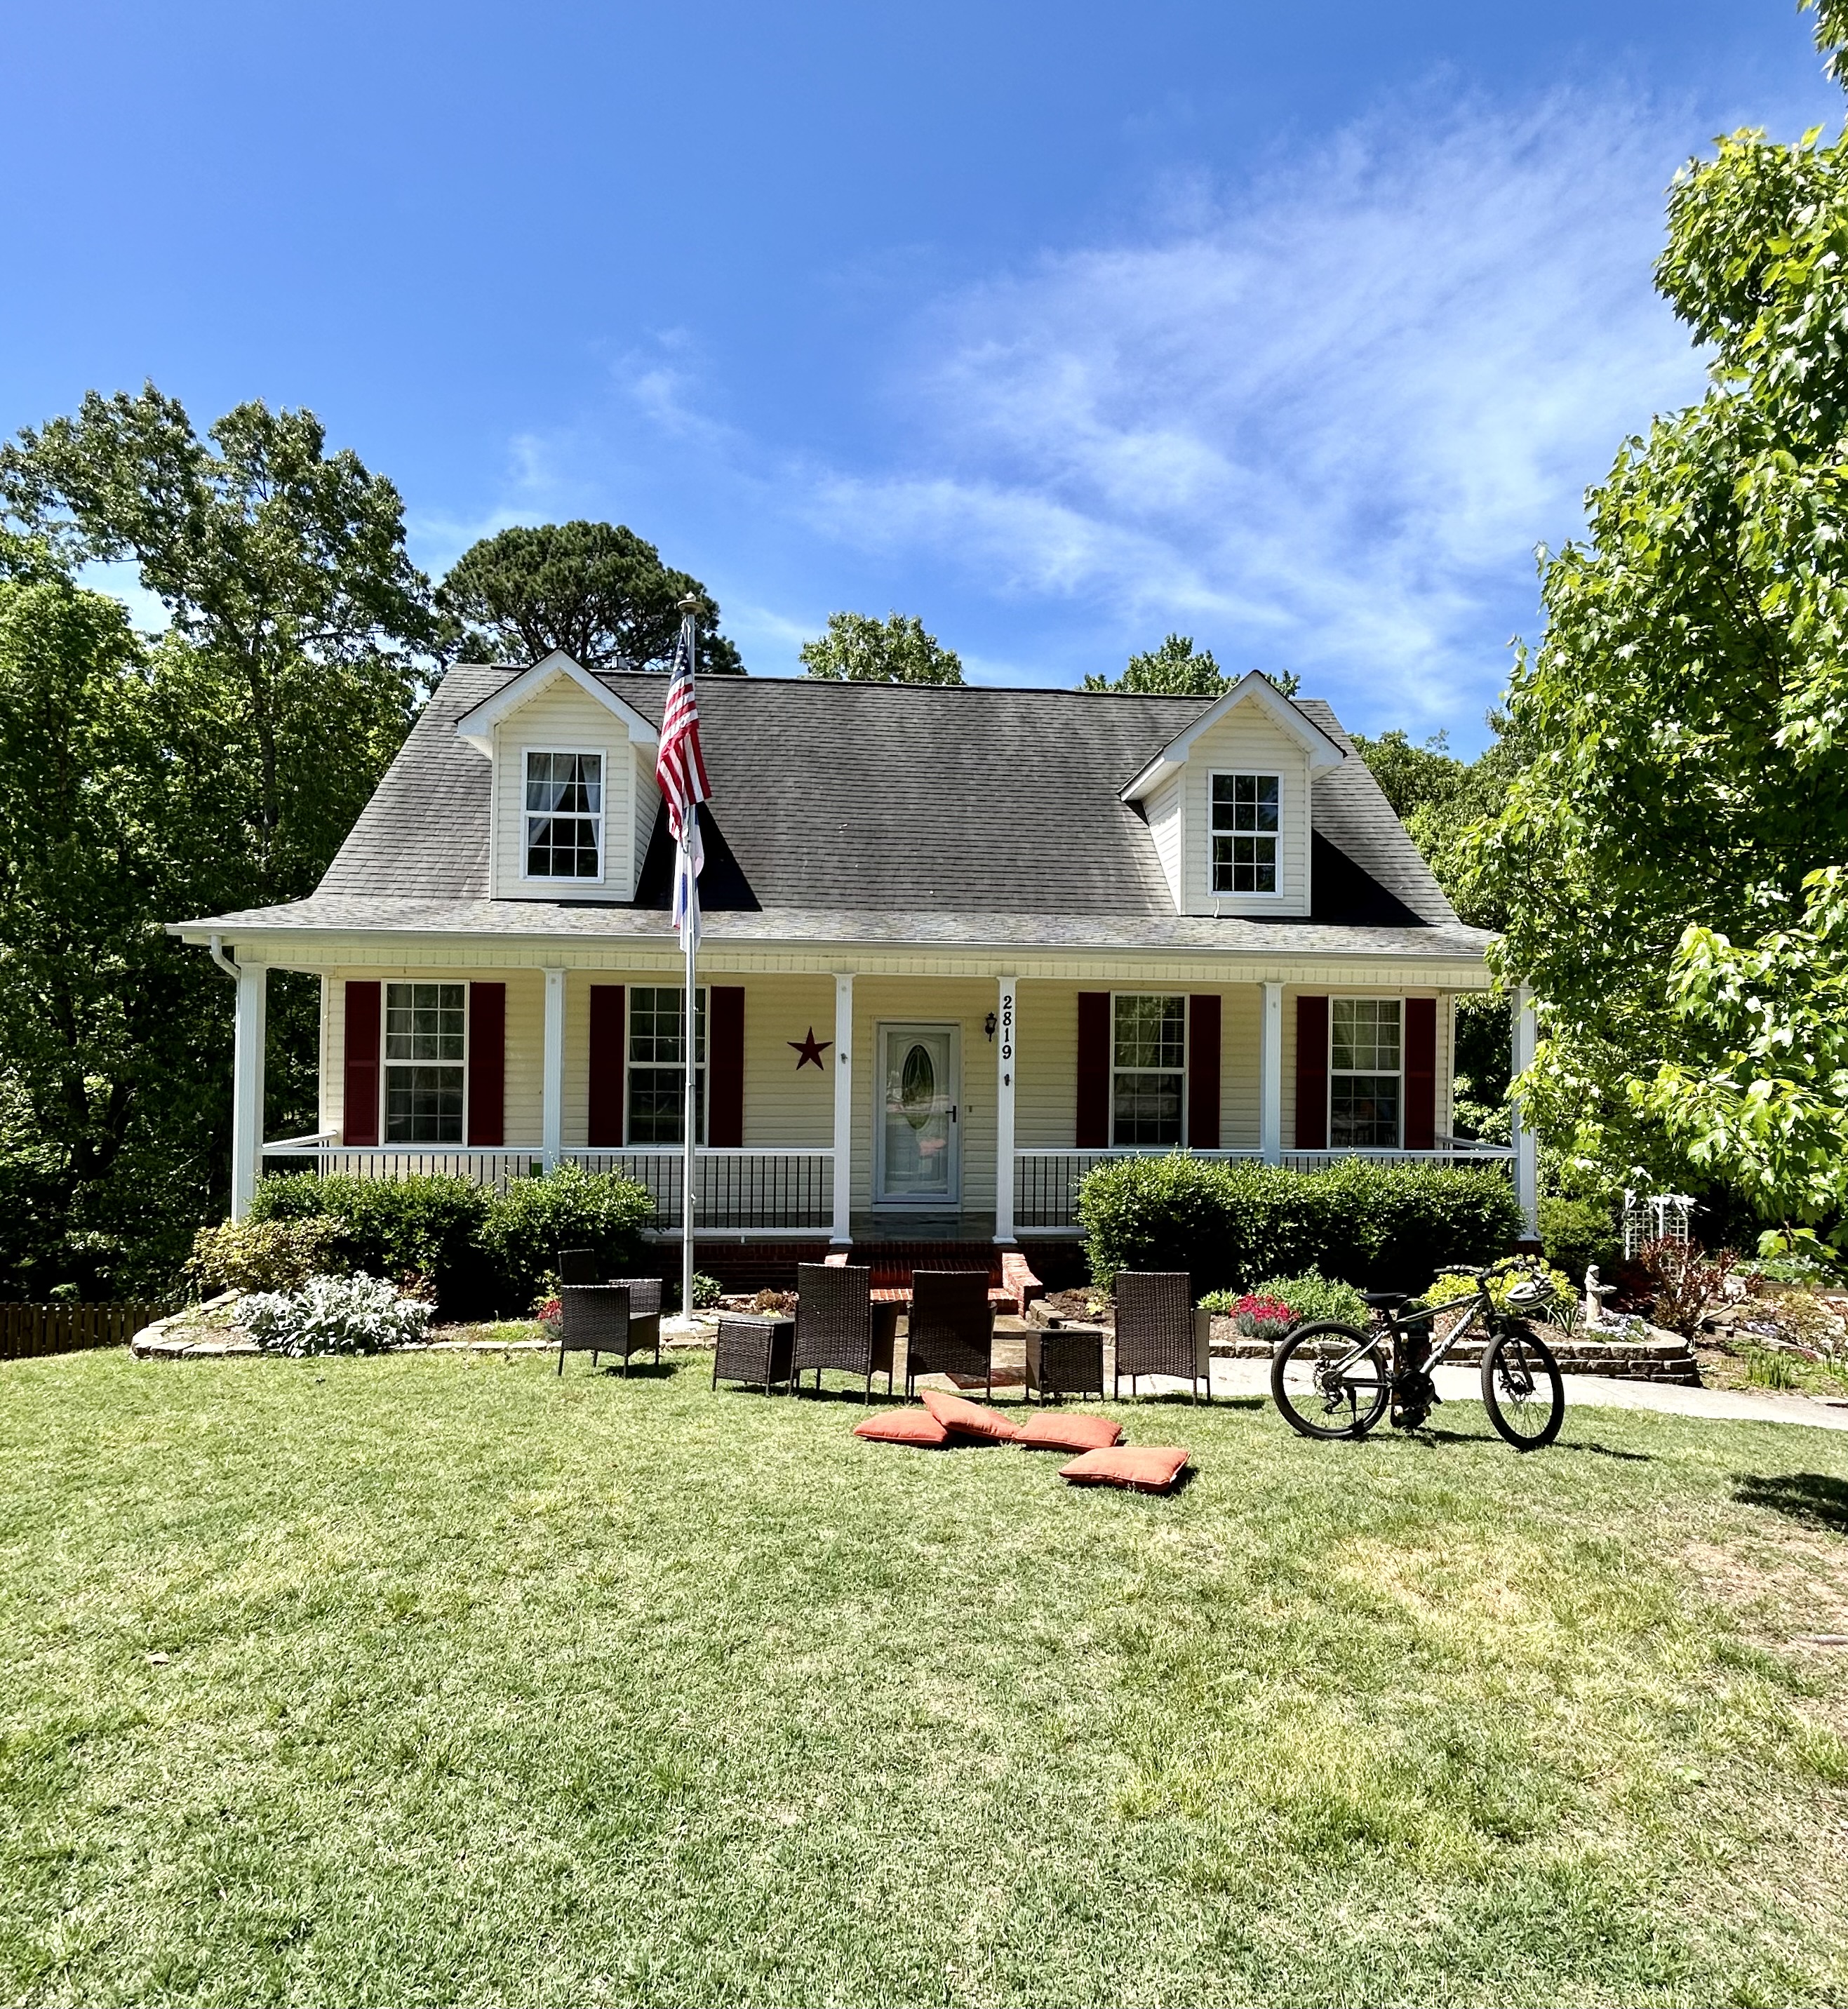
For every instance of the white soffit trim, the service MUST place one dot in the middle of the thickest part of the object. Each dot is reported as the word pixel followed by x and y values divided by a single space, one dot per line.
pixel 476 727
pixel 1254 688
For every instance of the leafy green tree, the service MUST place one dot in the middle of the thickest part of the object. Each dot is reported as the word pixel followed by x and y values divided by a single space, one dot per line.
pixel 595 590
pixel 1174 670
pixel 1766 1104
pixel 303 629
pixel 857 649
pixel 96 1015
pixel 1680 718
pixel 1444 800
pixel 1177 670
pixel 217 767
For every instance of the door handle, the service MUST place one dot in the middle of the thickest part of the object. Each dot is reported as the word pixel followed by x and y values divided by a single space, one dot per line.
pixel 952 1112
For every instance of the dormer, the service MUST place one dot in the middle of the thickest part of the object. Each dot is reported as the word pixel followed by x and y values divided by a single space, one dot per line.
pixel 573 764
pixel 1227 803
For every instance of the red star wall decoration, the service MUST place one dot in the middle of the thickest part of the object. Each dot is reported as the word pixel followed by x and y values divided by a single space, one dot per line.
pixel 808 1050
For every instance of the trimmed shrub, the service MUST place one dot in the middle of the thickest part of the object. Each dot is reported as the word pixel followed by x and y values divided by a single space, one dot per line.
pixel 334 1314
pixel 1575 1232
pixel 427 1228
pixel 525 1226
pixel 261 1254
pixel 484 1254
pixel 1388 1226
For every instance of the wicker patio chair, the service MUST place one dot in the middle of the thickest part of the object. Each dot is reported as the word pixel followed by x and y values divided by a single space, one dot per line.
pixel 953 1326
pixel 624 1318
pixel 580 1265
pixel 1158 1331
pixel 837 1325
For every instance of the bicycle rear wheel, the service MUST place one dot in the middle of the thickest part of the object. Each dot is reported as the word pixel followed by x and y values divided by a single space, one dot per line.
pixel 1521 1389
pixel 1330 1381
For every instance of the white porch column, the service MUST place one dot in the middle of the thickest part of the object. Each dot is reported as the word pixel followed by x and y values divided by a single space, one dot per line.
pixel 843 1233
pixel 246 1086
pixel 1004 1046
pixel 1270 1076
pixel 1527 1150
pixel 551 1135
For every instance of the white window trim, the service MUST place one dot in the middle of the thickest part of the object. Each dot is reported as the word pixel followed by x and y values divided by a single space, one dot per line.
pixel 602 816
pixel 702 994
pixel 1187 1058
pixel 1379 997
pixel 387 985
pixel 1258 774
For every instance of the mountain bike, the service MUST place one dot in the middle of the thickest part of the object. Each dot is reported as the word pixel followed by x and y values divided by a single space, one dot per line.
pixel 1333 1381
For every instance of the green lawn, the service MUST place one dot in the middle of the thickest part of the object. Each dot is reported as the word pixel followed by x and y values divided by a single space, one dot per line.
pixel 483 1687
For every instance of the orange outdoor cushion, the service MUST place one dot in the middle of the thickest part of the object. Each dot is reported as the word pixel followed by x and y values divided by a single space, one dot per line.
pixel 1052 1430
pixel 967 1419
pixel 1146 1468
pixel 906 1426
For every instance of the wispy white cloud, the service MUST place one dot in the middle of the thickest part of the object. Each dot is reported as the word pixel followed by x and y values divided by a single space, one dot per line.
pixel 1322 421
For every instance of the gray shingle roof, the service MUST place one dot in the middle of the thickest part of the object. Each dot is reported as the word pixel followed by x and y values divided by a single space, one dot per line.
pixel 861 809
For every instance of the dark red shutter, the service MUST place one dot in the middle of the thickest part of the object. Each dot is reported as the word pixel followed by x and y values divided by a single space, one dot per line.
pixel 488 1064
pixel 725 1066
pixel 1093 1127
pixel 607 1062
pixel 1203 1071
pixel 1421 1073
pixel 1311 1074
pixel 359 1093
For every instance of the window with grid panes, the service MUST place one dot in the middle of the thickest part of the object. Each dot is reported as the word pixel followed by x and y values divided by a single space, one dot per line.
pixel 1247 820
pixel 565 816
pixel 426 1049
pixel 1364 1073
pixel 657 1060
pixel 1149 1069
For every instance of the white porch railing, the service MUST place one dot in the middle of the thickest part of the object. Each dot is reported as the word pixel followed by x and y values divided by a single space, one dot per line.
pixel 780 1192
pixel 1045 1183
pixel 769 1192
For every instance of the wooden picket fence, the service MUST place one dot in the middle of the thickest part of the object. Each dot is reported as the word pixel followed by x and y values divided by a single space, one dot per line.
pixel 29 1332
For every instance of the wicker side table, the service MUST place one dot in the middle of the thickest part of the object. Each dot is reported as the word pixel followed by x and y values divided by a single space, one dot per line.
pixel 1065 1360
pixel 760 1350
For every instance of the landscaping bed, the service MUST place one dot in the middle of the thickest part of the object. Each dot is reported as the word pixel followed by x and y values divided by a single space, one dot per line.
pixel 435 1677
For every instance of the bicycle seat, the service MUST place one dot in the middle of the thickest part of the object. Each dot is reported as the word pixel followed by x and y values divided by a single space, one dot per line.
pixel 1385 1300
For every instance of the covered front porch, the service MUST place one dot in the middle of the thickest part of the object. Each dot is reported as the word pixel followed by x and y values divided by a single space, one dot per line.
pixel 879 1105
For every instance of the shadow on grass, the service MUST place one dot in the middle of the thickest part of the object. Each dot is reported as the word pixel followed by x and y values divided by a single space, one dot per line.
pixel 1811 1498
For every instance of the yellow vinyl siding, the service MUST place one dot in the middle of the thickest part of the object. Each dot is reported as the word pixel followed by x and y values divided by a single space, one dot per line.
pixel 526 1036
pixel 781 1107
pixel 562 717
pixel 1046 1083
pixel 1246 741
pixel 1164 808
pixel 1445 1064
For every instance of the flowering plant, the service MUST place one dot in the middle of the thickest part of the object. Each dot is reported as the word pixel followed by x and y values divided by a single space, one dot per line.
pixel 1265 1318
pixel 549 1312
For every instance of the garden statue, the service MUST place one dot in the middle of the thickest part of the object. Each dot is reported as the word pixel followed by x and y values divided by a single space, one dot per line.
pixel 1596 1294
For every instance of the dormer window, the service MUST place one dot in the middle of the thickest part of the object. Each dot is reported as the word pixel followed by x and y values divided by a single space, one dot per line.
pixel 1247 818
pixel 565 816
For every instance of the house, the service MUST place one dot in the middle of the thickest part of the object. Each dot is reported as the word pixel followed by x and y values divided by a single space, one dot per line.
pixel 960 945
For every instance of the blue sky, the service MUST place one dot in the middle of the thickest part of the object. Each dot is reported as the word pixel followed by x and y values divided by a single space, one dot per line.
pixel 1293 328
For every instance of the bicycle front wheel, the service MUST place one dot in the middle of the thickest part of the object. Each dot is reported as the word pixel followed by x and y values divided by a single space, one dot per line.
pixel 1521 1389
pixel 1330 1381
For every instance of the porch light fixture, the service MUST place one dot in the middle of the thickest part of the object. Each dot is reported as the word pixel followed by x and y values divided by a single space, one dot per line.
pixel 988 1025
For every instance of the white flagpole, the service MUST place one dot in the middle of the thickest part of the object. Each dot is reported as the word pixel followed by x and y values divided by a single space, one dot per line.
pixel 689 937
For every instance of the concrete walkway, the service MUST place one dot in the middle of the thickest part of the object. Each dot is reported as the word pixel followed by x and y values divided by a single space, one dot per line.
pixel 1593 1391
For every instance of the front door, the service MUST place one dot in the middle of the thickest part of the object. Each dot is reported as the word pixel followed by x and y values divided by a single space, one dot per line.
pixel 919 1126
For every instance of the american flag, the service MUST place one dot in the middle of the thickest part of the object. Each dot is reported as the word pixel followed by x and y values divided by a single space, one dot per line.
pixel 680 770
